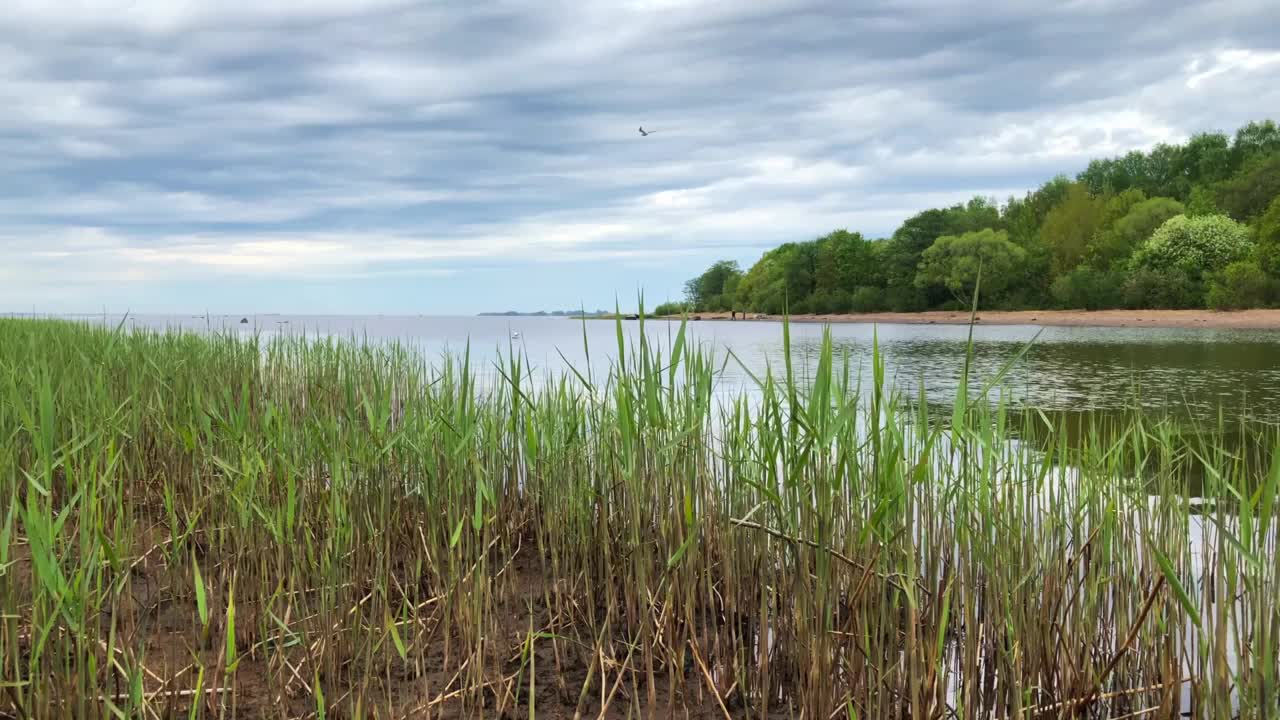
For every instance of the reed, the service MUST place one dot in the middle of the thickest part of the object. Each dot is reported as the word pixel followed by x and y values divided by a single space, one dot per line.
pixel 211 527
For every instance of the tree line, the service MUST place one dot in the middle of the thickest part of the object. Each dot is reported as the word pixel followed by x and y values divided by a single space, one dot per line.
pixel 1187 225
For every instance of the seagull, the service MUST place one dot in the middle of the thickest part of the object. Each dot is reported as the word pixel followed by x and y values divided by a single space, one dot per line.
pixel 646 133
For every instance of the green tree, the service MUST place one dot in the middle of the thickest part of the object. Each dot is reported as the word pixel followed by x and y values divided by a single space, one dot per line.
pixel 1162 289
pixel 844 261
pixel 1268 234
pixel 1247 194
pixel 670 308
pixel 867 299
pixel 1115 175
pixel 1204 160
pixel 1194 246
pixel 1022 218
pixel 1164 171
pixel 902 257
pixel 1080 239
pixel 1088 288
pixel 1119 204
pixel 1202 202
pixel 1069 227
pixel 1240 285
pixel 781 280
pixel 1254 140
pixel 1114 245
pixel 955 262
pixel 1163 176
pixel 799 266
pixel 712 290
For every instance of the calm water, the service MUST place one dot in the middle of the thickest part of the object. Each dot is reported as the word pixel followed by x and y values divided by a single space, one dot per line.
pixel 1066 369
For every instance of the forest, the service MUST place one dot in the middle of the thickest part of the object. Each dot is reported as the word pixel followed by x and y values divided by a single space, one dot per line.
pixel 1189 225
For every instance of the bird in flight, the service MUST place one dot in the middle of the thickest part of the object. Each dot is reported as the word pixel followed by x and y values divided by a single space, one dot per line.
pixel 646 133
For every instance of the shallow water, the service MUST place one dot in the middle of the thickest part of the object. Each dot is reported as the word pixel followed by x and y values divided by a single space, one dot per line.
pixel 1193 370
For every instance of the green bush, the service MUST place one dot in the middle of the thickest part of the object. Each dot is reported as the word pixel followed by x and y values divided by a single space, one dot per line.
pixel 961 262
pixel 1114 245
pixel 1194 245
pixel 868 299
pixel 670 308
pixel 1023 298
pixel 1162 289
pixel 826 302
pixel 1269 239
pixel 771 300
pixel 1088 288
pixel 905 299
pixel 1240 285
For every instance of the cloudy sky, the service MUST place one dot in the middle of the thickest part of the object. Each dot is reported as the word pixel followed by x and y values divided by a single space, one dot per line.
pixel 384 156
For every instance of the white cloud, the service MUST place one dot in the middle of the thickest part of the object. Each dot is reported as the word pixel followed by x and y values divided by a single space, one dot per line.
pixel 1222 62
pixel 165 16
pixel 152 140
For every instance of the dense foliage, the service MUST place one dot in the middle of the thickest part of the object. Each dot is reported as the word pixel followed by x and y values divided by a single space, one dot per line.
pixel 1182 226
pixel 958 262
pixel 1194 245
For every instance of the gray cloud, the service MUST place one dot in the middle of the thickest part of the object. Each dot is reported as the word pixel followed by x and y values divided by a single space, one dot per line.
pixel 366 136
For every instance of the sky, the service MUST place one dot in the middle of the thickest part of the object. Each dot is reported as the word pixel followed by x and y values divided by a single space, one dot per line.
pixel 384 156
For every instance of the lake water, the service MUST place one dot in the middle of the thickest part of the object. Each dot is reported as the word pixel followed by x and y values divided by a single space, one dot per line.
pixel 1066 369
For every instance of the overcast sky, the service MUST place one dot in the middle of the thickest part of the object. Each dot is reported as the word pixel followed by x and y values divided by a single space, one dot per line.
pixel 380 156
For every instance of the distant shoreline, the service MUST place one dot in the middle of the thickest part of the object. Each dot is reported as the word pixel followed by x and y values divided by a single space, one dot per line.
pixel 1239 319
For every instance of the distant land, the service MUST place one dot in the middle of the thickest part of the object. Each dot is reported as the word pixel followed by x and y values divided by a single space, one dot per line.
pixel 543 313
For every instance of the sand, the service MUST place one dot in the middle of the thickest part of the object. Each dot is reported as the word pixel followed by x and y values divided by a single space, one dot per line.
pixel 1250 319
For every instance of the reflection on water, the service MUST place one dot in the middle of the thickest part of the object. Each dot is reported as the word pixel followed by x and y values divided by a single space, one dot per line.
pixel 1190 371
pixel 1175 451
pixel 1070 369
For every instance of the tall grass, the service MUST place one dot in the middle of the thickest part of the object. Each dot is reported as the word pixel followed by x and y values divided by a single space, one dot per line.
pixel 205 526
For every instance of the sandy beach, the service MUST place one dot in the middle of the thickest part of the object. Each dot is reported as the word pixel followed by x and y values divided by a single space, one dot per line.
pixel 1244 319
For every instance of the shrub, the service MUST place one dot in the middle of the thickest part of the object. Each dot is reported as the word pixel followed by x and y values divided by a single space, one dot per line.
pixel 1194 246
pixel 905 299
pixel 771 300
pixel 1115 244
pixel 1269 239
pixel 1087 288
pixel 830 301
pixel 1023 298
pixel 1163 289
pixel 960 262
pixel 670 308
pixel 1240 285
pixel 868 299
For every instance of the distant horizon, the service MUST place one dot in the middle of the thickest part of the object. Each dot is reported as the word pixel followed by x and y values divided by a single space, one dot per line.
pixel 211 314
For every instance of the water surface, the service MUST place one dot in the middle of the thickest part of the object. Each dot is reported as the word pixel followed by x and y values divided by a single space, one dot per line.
pixel 1069 369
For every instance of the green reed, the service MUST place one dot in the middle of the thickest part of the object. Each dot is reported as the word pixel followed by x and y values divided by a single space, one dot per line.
pixel 207 526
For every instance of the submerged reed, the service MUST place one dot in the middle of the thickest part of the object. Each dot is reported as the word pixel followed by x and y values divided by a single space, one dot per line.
pixel 204 526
